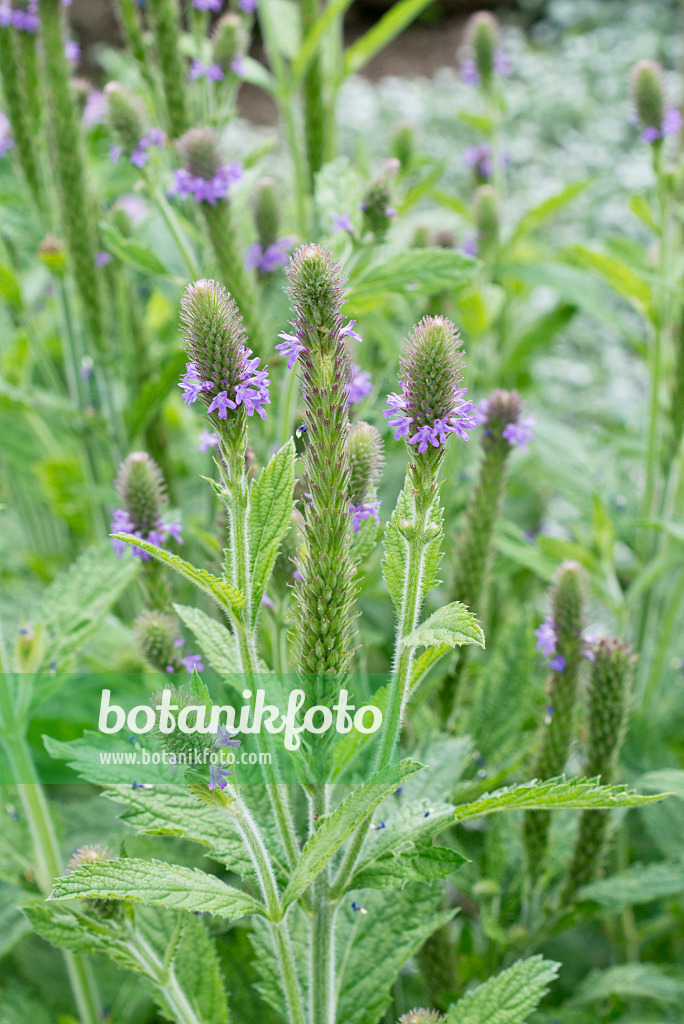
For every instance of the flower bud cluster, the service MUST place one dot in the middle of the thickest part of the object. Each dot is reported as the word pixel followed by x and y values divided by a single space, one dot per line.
pixel 367 461
pixel 432 404
pixel 220 371
pixel 142 492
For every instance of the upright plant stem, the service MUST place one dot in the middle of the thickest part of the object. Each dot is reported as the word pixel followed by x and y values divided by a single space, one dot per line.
pixel 314 105
pixel 322 949
pixel 408 620
pixel 44 839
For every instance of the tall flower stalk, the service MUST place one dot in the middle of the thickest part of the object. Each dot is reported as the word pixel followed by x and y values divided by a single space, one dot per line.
pixel 608 704
pixel 70 172
pixel 165 21
pixel 561 637
pixel 206 178
pixel 430 408
pixel 19 111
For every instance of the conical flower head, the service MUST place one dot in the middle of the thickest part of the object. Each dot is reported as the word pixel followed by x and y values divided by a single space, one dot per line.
pixel 140 486
pixel 200 153
pixel 432 371
pixel 155 636
pixel 367 460
pixel 486 215
pixel 316 292
pixel 214 337
pixel 125 115
pixel 502 422
pixel 482 35
pixel 229 38
pixel 648 93
pixel 267 212
pixel 612 671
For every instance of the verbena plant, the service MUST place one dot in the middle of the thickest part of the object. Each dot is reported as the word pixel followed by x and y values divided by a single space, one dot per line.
pixel 326 857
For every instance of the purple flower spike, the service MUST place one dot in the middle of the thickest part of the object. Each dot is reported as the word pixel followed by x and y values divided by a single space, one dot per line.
pixel 193 662
pixel 291 347
pixel 349 332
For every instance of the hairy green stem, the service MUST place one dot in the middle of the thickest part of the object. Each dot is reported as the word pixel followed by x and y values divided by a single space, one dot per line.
pixel 48 864
pixel 314 105
pixel 164 979
pixel 322 947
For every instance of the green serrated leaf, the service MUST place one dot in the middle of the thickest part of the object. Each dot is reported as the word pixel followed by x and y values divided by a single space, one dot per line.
pixel 452 624
pixel 509 997
pixel 335 828
pixel 136 255
pixel 633 981
pixel 418 272
pixel 217 642
pixel 270 514
pixel 548 208
pixel 158 883
pixel 374 946
pixel 640 883
pixel 554 794
pixel 74 605
pixel 402 850
pixel 228 597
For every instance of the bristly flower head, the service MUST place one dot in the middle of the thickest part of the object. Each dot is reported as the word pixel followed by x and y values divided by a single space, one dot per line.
pixel 501 417
pixel 155 635
pixel 650 105
pixel 419 1016
pixel 432 403
pixel 366 460
pixel 84 856
pixel 483 46
pixel 220 371
pixel 377 203
pixel 141 490
pixel 204 174
pixel 229 39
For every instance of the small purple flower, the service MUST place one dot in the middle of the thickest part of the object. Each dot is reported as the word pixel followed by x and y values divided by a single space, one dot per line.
pixel 207 5
pixel 134 207
pixel 28 20
pixel 360 386
pixel 224 738
pixel 193 663
pixel 342 222
pixel 95 108
pixel 546 637
pixel 211 71
pixel 291 347
pixel 519 434
pixel 173 529
pixel 5 15
pixel 479 159
pixel 266 601
pixel 557 663
pixel 192 385
pixel 672 123
pixel 72 52
pixel 6 140
pixel 471 245
pixel 296 575
pixel 103 258
pixel 364 511
pixel 238 66
pixel 207 440
pixel 218 775
pixel 115 154
pixel 248 6
pixel 270 260
pixel 349 332
pixel 222 403
pixel 140 155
